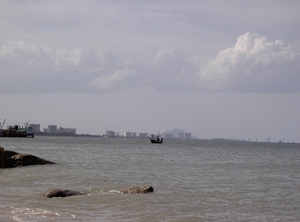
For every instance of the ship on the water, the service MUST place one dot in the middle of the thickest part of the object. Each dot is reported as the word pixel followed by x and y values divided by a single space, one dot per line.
pixel 16 131
pixel 156 138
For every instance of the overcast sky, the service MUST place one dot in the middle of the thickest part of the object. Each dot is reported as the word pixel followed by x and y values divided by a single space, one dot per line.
pixel 226 69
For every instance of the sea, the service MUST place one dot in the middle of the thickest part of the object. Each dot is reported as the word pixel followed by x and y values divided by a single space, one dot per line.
pixel 193 180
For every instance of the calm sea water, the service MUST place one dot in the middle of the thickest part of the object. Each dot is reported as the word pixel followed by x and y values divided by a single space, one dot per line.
pixel 193 180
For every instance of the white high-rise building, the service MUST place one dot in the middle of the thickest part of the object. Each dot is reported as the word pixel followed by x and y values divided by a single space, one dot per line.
pixel 129 134
pixel 35 127
pixel 52 129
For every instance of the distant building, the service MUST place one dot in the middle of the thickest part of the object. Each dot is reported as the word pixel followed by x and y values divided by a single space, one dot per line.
pixel 169 135
pixel 268 139
pixel 70 130
pixel 188 136
pixel 110 133
pixel 181 135
pixel 143 135
pixel 129 134
pixel 67 130
pixel 52 129
pixel 61 130
pixel 35 127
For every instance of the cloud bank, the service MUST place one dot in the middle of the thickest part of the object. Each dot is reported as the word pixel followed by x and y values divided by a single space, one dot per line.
pixel 253 64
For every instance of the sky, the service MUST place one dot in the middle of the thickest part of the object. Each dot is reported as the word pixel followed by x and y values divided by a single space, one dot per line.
pixel 216 69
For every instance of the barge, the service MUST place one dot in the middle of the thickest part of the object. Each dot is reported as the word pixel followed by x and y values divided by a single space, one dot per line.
pixel 17 131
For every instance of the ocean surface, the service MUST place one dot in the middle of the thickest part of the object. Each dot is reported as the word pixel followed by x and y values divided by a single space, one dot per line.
pixel 192 180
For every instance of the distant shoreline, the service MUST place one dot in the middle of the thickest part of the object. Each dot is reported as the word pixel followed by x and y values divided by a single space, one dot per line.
pixel 179 139
pixel 66 134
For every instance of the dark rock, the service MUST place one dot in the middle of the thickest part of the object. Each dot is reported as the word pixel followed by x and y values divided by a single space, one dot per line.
pixel 28 159
pixel 10 163
pixel 9 153
pixel 13 159
pixel 138 189
pixel 59 193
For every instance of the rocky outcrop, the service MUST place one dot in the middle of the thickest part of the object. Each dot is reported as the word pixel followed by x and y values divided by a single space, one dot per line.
pixel 138 189
pixel 59 193
pixel 67 193
pixel 10 159
pixel 28 159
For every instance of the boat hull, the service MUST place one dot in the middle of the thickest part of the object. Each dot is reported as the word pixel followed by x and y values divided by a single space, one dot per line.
pixel 156 140
pixel 12 132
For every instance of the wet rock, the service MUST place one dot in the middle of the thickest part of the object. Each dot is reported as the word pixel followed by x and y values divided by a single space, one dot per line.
pixel 138 189
pixel 14 159
pixel 9 153
pixel 28 159
pixel 1 157
pixel 59 193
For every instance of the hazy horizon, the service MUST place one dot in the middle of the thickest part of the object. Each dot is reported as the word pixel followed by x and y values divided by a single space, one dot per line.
pixel 213 68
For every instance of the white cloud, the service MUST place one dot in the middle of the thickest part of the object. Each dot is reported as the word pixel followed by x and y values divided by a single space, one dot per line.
pixel 119 80
pixel 170 70
pixel 15 57
pixel 253 64
pixel 31 68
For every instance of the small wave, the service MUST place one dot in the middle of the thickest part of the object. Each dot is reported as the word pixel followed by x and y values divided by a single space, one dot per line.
pixel 114 191
pixel 24 214
pixel 96 191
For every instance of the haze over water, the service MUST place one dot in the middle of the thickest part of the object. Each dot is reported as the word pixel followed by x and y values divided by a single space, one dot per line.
pixel 193 180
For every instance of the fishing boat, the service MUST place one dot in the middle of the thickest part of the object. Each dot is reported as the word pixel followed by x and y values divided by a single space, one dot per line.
pixel 2 132
pixel 156 138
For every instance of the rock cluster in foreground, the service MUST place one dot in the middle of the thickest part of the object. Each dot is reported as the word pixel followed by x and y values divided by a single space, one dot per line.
pixel 10 159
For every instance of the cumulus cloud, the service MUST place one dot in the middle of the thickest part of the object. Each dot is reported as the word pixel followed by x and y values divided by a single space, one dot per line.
pixel 254 64
pixel 170 70
pixel 31 68
pixel 120 79
pixel 17 56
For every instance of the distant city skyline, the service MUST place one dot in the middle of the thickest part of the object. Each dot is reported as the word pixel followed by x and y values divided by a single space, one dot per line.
pixel 175 133
pixel 169 134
